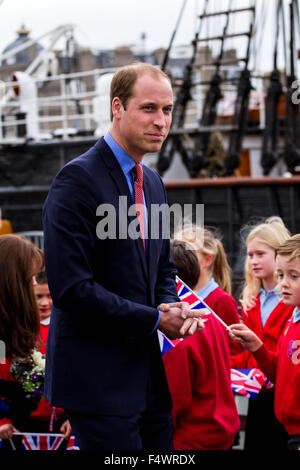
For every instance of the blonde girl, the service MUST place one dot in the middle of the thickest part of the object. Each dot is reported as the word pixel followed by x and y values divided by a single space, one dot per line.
pixel 282 367
pixel 261 244
pixel 265 314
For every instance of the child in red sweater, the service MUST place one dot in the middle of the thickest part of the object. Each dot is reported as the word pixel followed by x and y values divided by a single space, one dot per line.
pixel 41 417
pixel 198 372
pixel 45 412
pixel 44 303
pixel 265 314
pixel 282 366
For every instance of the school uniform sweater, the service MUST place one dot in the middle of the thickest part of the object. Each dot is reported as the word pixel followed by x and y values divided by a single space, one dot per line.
pixel 282 367
pixel 43 335
pixel 269 334
pixel 204 409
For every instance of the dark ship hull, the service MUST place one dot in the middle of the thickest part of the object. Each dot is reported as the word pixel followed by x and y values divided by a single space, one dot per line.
pixel 27 171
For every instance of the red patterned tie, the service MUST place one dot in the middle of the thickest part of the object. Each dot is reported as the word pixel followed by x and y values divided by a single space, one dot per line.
pixel 138 195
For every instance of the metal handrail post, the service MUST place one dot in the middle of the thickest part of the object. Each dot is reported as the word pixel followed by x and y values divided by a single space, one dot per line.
pixel 64 107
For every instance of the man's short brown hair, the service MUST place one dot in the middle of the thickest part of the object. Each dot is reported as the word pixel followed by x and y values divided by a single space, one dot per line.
pixel 124 79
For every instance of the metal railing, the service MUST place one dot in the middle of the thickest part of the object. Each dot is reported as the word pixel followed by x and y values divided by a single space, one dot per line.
pixel 77 91
pixel 65 102
pixel 35 236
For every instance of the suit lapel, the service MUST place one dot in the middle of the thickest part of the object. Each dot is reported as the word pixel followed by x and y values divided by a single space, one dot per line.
pixel 119 179
pixel 115 170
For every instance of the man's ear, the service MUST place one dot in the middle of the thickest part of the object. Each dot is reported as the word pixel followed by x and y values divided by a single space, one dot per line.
pixel 116 107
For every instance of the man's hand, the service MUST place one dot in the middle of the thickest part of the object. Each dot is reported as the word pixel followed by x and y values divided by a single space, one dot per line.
pixel 191 326
pixel 243 335
pixel 178 321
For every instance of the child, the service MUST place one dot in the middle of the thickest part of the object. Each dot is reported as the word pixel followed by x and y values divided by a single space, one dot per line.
pixel 265 314
pixel 40 418
pixel 44 303
pixel 214 282
pixel 19 322
pixel 282 365
pixel 44 411
pixel 198 372
pixel 20 260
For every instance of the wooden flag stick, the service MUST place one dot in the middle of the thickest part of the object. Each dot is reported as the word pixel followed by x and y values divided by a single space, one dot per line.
pixel 36 434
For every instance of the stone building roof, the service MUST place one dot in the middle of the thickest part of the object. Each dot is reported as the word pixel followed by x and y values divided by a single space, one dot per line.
pixel 22 57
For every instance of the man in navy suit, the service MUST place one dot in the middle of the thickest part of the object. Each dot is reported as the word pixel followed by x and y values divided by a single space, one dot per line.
pixel 111 293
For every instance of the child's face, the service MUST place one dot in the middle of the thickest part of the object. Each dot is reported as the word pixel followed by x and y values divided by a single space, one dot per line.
pixel 261 258
pixel 288 273
pixel 43 300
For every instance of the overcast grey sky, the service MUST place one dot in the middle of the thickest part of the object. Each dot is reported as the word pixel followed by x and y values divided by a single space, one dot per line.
pixel 102 24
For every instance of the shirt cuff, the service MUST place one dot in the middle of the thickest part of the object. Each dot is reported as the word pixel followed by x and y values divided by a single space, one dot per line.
pixel 157 322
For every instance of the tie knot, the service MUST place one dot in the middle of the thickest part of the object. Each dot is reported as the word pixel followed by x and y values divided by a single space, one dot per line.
pixel 138 173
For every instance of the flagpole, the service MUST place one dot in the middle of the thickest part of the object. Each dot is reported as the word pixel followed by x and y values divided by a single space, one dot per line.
pixel 201 300
pixel 36 434
pixel 12 444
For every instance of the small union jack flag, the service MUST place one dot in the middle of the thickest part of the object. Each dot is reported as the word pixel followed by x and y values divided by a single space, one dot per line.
pixel 72 444
pixel 249 382
pixel 186 295
pixel 41 442
pixel 165 343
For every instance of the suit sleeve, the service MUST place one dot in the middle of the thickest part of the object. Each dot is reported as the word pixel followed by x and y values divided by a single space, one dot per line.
pixel 69 222
pixel 165 287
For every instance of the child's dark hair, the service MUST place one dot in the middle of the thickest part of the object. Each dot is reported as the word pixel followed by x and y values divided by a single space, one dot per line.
pixel 41 277
pixel 186 262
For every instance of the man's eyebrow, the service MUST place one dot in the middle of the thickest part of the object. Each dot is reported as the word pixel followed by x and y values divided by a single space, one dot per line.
pixel 155 104
pixel 147 103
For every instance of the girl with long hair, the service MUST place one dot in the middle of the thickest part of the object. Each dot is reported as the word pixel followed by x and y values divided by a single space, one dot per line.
pixel 20 260
pixel 20 276
pixel 264 313
pixel 282 366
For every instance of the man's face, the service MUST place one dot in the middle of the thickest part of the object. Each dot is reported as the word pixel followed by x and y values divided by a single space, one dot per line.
pixel 145 123
pixel 43 300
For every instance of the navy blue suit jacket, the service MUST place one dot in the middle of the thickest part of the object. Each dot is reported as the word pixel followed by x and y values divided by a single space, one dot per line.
pixel 102 352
